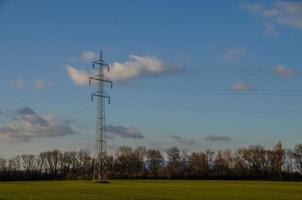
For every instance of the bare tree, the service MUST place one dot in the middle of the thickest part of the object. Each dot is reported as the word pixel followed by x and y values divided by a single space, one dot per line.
pixel 256 158
pixel 84 161
pixel 289 161
pixel 3 162
pixel 14 164
pixel 128 162
pixel 155 160
pixel 198 165
pixel 240 164
pixel 244 163
pixel 141 152
pixel 277 159
pixel 298 156
pixel 28 162
pixel 210 158
pixel 174 165
pixel 223 163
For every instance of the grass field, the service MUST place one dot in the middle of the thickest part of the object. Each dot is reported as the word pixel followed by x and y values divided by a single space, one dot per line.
pixel 134 190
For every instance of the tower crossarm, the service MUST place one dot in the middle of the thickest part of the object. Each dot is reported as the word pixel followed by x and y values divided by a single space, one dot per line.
pixel 102 96
pixel 96 78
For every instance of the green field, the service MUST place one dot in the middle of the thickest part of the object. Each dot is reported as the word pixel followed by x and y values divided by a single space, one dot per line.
pixel 132 190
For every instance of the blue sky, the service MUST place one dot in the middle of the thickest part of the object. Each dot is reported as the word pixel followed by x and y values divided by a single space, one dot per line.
pixel 227 74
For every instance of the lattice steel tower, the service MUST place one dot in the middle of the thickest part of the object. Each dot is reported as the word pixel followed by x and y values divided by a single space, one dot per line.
pixel 100 174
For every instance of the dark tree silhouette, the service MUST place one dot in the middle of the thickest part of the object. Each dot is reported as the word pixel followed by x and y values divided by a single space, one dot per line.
pixel 253 162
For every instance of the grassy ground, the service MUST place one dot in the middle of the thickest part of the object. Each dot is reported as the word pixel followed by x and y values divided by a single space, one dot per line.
pixel 147 190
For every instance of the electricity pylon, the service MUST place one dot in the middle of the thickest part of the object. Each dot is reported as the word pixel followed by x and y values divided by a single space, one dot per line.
pixel 100 172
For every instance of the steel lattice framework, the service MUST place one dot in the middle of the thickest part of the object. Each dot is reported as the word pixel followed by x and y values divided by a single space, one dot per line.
pixel 100 174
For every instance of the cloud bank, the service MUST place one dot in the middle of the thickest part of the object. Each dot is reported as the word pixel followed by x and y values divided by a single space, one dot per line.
pixel 38 85
pixel 217 138
pixel 28 125
pixel 184 141
pixel 124 132
pixel 136 67
pixel 284 13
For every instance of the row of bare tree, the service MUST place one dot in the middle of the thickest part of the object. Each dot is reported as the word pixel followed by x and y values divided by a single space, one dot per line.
pixel 253 162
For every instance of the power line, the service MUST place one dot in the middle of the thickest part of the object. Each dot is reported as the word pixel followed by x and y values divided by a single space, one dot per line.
pixel 9 99
pixel 218 110
pixel 80 99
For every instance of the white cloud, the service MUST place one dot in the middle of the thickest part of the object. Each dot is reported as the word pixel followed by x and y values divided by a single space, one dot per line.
pixel 79 77
pixel 232 55
pixel 18 84
pixel 139 66
pixel 284 71
pixel 285 13
pixel 28 125
pixel 135 67
pixel 239 87
pixel 39 85
pixel 88 56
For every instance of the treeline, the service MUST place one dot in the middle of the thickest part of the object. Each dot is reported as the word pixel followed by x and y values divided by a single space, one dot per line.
pixel 253 162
